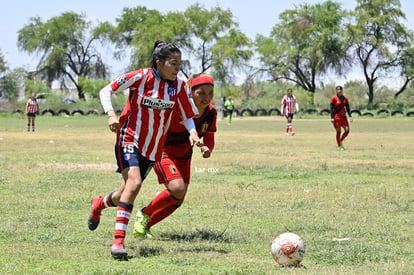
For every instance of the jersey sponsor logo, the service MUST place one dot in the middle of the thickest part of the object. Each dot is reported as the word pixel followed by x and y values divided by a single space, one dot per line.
pixel 121 80
pixel 156 103
pixel 172 91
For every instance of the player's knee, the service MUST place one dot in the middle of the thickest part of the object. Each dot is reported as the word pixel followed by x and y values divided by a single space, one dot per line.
pixel 178 193
pixel 177 189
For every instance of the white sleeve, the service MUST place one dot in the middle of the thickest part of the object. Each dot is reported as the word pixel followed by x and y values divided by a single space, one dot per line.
pixel 105 96
pixel 297 107
pixel 189 125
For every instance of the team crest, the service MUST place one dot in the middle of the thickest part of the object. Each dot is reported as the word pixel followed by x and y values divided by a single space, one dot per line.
pixel 173 169
pixel 127 156
pixel 172 91
pixel 204 127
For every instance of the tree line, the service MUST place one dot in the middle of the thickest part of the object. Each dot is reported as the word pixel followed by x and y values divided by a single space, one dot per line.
pixel 307 43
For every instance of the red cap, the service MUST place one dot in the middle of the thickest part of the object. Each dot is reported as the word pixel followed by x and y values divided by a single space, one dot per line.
pixel 202 80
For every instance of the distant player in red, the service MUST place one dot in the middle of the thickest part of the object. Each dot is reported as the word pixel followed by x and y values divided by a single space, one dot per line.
pixel 32 108
pixel 174 169
pixel 154 95
pixel 339 108
pixel 288 108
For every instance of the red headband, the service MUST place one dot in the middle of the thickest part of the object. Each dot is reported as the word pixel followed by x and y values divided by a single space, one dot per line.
pixel 202 80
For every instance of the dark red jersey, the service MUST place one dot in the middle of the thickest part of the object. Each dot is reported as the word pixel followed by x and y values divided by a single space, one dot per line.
pixel 339 106
pixel 177 144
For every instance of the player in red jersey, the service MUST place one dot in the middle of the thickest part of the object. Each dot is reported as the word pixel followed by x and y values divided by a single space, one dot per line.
pixel 288 107
pixel 154 94
pixel 339 108
pixel 174 169
pixel 32 108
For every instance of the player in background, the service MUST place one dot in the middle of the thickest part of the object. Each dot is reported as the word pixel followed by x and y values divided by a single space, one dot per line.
pixel 32 108
pixel 288 107
pixel 174 169
pixel 229 106
pixel 154 94
pixel 339 108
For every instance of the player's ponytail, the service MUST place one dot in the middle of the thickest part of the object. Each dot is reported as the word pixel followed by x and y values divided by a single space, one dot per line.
pixel 161 51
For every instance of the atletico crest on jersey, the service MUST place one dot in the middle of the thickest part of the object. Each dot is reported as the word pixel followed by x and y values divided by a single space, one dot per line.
pixel 172 91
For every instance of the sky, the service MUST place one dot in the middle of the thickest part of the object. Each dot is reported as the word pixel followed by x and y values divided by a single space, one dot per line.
pixel 254 17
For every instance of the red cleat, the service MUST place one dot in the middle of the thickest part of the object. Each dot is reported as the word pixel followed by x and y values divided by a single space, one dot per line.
pixel 118 250
pixel 95 216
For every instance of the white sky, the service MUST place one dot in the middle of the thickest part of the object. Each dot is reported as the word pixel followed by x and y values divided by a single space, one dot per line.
pixel 254 17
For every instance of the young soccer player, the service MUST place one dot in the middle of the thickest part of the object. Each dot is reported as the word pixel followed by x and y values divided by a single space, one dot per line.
pixel 154 95
pixel 32 108
pixel 174 169
pixel 339 109
pixel 288 107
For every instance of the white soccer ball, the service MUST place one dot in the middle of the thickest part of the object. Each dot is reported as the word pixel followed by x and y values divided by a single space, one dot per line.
pixel 288 249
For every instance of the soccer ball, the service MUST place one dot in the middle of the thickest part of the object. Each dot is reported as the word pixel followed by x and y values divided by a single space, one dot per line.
pixel 288 249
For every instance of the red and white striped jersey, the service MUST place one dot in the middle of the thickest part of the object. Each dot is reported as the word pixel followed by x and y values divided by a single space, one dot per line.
pixel 289 104
pixel 146 116
pixel 32 106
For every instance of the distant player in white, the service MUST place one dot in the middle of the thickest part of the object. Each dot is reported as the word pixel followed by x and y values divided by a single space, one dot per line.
pixel 32 108
pixel 289 105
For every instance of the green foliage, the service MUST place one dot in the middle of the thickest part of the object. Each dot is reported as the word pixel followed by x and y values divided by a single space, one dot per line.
pixel 91 87
pixel 37 86
pixel 209 39
pixel 381 42
pixel 67 45
pixel 3 63
pixel 10 83
pixel 306 43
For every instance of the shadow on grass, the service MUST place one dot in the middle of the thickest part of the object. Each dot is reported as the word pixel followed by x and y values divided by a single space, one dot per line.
pixel 190 237
pixel 198 235
pixel 151 251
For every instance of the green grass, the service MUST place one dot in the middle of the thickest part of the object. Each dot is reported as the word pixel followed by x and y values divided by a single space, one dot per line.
pixel 257 184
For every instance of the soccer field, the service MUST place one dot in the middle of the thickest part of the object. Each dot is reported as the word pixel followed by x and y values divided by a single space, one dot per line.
pixel 353 208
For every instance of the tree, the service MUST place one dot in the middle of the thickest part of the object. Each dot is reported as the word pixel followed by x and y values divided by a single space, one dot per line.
pixel 308 43
pixel 216 43
pixel 67 45
pixel 138 28
pixel 10 83
pixel 209 39
pixel 3 69
pixel 379 40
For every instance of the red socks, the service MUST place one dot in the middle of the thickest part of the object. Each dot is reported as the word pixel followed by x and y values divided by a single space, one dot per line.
pixel 338 138
pixel 344 135
pixel 161 201
pixel 161 214
pixel 160 207
pixel 122 219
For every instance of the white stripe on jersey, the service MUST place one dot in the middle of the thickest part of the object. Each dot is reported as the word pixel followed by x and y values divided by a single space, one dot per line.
pixel 141 91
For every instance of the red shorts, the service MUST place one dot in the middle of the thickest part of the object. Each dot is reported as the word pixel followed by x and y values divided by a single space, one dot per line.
pixel 170 169
pixel 340 122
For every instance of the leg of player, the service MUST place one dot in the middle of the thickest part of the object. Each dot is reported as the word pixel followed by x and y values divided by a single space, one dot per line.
pixel 344 135
pixel 100 203
pixel 133 182
pixel 162 206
